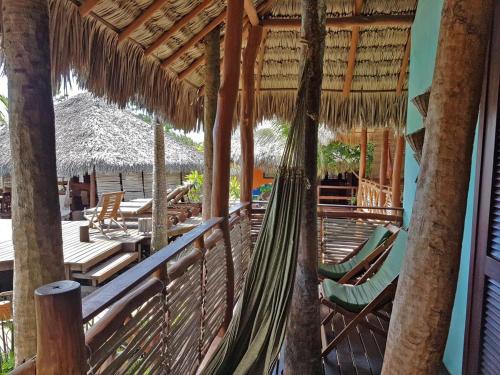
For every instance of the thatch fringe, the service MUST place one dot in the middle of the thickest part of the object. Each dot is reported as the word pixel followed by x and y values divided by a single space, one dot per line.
pixel 370 110
pixel 122 73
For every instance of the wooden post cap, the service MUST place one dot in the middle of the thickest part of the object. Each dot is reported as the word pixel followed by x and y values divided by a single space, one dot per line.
pixel 58 287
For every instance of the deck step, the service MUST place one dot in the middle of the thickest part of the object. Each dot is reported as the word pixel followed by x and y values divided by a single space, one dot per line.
pixel 107 269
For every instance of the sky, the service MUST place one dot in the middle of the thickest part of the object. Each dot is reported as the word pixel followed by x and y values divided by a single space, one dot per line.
pixel 73 90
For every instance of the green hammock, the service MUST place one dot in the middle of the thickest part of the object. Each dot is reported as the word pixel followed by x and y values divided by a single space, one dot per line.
pixel 256 332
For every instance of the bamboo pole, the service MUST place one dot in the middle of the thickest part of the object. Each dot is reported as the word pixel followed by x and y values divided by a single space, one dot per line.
pixel 247 120
pixel 60 338
pixel 396 171
pixel 303 337
pixel 384 156
pixel 226 105
pixel 159 235
pixel 424 299
pixel 212 83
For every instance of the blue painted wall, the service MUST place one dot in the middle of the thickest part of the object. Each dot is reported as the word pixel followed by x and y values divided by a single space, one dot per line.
pixel 425 34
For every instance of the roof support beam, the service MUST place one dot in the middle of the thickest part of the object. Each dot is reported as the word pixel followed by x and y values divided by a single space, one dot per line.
pixel 404 66
pixel 351 62
pixel 344 22
pixel 141 20
pixel 87 7
pixel 177 26
pixel 251 12
pixel 191 68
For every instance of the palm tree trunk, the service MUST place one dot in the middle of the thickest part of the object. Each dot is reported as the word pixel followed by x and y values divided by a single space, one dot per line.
pixel 36 219
pixel 212 83
pixel 159 236
pixel 426 291
pixel 303 342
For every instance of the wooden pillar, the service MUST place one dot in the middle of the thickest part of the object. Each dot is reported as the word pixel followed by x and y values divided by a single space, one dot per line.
pixel 396 170
pixel 363 142
pixel 247 120
pixel 60 337
pixel 384 156
pixel 159 235
pixel 427 284
pixel 93 188
pixel 303 336
pixel 226 105
pixel 36 219
pixel 212 83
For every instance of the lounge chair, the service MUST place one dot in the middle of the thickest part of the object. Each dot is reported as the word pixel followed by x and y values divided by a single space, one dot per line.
pixel 107 209
pixel 375 289
pixel 136 208
pixel 363 255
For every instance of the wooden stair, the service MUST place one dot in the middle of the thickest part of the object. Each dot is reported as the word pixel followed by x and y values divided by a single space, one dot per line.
pixel 108 268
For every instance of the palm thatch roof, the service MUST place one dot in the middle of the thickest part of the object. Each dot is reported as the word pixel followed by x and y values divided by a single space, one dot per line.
pixel 150 52
pixel 92 133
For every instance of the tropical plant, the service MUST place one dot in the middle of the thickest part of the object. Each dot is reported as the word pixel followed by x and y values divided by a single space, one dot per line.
pixel 234 188
pixel 337 157
pixel 195 178
pixel 5 103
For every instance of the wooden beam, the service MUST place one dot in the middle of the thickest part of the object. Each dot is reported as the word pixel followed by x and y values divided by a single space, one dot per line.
pixel 404 66
pixel 251 12
pixel 141 20
pixel 363 142
pixel 248 112
pixel 351 62
pixel 87 7
pixel 343 22
pixel 195 39
pixel 177 26
pixel 191 68
pixel 384 156
pixel 260 62
pixel 396 171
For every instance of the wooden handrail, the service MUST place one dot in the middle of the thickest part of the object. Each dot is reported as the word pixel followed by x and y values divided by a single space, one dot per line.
pixel 350 207
pixel 121 285
pixel 238 207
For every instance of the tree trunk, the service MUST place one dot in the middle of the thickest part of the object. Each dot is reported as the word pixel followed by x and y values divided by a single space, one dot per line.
pixel 212 83
pixel 93 188
pixel 159 236
pixel 36 219
pixel 426 290
pixel 247 112
pixel 303 337
pixel 226 105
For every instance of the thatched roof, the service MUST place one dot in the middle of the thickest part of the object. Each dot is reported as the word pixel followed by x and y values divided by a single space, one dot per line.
pixel 150 52
pixel 91 132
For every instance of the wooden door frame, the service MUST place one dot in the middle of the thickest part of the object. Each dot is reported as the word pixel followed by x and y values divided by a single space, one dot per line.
pixel 487 132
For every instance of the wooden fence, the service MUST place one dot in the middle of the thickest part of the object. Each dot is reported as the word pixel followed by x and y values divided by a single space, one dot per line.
pixel 378 198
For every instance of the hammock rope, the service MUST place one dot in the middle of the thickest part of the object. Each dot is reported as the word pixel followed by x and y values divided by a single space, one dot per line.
pixel 256 332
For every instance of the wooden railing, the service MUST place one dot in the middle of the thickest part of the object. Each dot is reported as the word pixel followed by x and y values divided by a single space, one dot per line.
pixel 348 196
pixel 162 315
pixel 372 194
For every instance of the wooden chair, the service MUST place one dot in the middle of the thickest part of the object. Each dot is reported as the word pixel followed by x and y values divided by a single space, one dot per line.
pixel 107 209
pixel 372 292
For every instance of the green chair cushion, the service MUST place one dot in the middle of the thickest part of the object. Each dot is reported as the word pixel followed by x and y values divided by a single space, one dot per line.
pixel 336 271
pixel 355 297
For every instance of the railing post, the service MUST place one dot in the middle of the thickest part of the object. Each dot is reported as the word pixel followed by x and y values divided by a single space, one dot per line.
pixel 60 337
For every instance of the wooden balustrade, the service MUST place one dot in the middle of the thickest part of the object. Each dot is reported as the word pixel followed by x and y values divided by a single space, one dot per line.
pixel 370 195
pixel 348 190
pixel 149 321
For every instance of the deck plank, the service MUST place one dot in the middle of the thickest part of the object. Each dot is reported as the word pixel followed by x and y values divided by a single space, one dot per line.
pixel 343 348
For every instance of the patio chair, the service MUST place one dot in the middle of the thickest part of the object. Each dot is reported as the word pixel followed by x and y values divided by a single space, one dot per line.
pixel 373 291
pixel 364 255
pixel 107 209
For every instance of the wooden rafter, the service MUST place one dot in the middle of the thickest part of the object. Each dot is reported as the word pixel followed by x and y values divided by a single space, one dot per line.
pixel 195 39
pixel 404 66
pixel 260 61
pixel 351 62
pixel 343 22
pixel 177 26
pixel 87 7
pixel 141 20
pixel 251 12
pixel 191 68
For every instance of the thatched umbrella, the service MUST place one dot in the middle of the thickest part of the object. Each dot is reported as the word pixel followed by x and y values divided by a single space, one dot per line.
pixel 91 133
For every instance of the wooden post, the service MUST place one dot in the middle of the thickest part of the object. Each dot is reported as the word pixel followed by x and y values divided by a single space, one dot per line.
pixel 212 83
pixel 36 220
pixel 427 284
pixel 226 105
pixel 384 156
pixel 159 235
pixel 303 335
pixel 396 171
pixel 93 188
pixel 60 338
pixel 363 144
pixel 247 120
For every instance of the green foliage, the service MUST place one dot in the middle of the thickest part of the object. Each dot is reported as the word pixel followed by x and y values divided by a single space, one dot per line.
pixel 196 179
pixel 7 363
pixel 265 191
pixel 5 103
pixel 234 188
pixel 338 157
